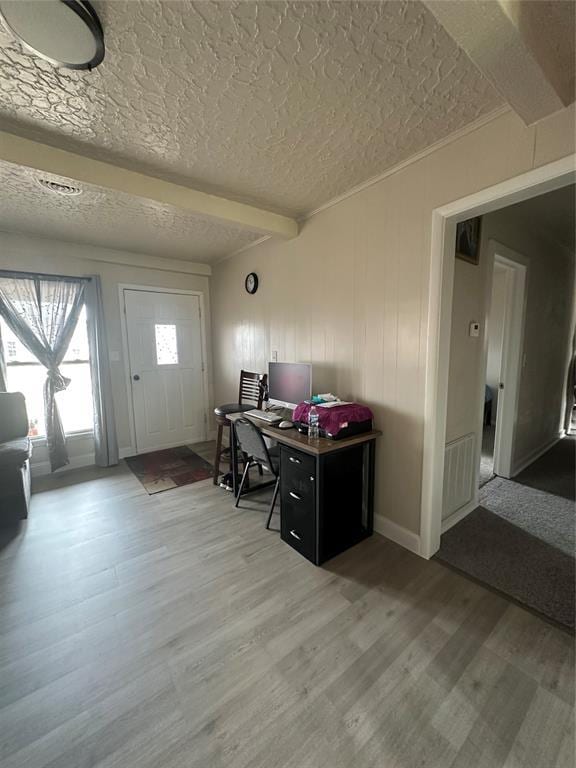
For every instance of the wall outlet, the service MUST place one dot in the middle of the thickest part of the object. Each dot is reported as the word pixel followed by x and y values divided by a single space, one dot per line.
pixel 275 356
pixel 474 330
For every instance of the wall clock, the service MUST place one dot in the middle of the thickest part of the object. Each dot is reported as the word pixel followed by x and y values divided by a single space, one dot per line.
pixel 251 282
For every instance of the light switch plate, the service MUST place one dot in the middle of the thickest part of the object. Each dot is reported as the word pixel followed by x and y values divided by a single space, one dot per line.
pixel 474 330
pixel 275 356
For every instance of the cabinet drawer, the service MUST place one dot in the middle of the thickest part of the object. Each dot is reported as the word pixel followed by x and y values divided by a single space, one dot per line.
pixel 298 487
pixel 298 524
pixel 294 462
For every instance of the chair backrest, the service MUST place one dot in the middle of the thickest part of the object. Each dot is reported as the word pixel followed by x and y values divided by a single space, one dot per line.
pixel 252 388
pixel 13 416
pixel 251 442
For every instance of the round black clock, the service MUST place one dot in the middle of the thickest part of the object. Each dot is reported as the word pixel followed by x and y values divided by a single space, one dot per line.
pixel 251 282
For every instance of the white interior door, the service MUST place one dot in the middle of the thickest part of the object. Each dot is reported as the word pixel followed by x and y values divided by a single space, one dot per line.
pixel 511 365
pixel 166 368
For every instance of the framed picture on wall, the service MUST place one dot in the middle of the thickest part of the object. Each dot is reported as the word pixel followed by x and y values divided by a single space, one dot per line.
pixel 468 240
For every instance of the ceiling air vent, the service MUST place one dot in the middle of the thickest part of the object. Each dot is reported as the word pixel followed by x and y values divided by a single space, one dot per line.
pixel 59 188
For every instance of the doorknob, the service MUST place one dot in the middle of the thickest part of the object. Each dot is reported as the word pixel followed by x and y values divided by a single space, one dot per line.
pixel 136 377
pixel 501 386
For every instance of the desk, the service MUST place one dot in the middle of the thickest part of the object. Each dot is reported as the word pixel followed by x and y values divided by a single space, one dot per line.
pixel 326 489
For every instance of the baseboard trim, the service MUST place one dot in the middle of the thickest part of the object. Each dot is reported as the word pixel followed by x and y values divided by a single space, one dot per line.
pixel 124 452
pixel 42 468
pixel 397 533
pixel 460 514
pixel 535 455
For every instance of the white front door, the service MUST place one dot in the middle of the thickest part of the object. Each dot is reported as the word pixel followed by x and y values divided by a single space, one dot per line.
pixel 166 368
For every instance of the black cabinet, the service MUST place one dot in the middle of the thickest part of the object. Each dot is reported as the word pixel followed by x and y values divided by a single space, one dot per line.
pixel 298 501
pixel 326 499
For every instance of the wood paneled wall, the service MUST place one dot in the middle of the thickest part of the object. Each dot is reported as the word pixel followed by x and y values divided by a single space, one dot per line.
pixel 350 294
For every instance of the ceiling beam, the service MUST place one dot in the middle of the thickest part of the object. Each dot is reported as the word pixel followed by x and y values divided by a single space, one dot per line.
pixel 47 159
pixel 525 50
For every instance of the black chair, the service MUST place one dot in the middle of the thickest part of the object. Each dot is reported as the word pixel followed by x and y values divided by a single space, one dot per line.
pixel 257 453
pixel 250 395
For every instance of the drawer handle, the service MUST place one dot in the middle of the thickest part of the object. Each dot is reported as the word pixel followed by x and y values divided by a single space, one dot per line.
pixel 293 533
pixel 295 496
pixel 294 460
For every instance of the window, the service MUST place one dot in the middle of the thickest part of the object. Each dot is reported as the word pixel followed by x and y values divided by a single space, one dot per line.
pixel 166 345
pixel 25 374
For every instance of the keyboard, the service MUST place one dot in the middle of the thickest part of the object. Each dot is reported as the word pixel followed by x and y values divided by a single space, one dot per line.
pixel 268 416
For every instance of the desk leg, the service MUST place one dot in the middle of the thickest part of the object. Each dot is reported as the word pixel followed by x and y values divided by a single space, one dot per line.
pixel 371 473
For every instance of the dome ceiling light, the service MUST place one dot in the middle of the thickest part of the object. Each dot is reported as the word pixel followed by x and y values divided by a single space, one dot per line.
pixel 66 33
pixel 58 188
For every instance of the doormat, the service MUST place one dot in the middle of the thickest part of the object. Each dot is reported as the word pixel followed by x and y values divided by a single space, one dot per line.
pixel 162 470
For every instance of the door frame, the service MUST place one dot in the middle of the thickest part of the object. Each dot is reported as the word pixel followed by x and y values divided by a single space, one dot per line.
pixel 442 259
pixel 126 354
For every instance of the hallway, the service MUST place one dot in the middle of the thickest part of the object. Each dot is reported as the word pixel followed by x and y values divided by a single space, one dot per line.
pixel 520 540
pixel 487 454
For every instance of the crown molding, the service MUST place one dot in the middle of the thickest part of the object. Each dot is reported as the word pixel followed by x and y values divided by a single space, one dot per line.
pixel 455 136
pixel 246 247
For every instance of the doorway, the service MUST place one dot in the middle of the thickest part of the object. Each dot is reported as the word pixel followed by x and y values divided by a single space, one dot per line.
pixel 494 344
pixel 504 335
pixel 516 383
pixel 165 367
pixel 550 177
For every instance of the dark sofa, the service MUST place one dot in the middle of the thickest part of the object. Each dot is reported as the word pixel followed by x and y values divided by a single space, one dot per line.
pixel 15 452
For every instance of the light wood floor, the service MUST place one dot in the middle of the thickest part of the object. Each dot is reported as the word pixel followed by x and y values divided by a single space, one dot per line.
pixel 174 631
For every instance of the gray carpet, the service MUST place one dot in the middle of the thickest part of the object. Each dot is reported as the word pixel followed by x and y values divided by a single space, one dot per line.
pixel 521 539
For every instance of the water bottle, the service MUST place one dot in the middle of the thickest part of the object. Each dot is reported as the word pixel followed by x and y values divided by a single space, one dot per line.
pixel 313 420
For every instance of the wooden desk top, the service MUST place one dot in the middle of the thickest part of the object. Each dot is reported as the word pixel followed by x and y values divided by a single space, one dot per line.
pixel 294 439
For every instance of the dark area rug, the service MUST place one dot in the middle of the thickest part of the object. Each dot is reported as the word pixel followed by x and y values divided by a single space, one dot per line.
pixel 521 540
pixel 162 470
pixel 553 472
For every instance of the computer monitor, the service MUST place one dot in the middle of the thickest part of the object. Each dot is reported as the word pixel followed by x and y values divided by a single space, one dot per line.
pixel 289 383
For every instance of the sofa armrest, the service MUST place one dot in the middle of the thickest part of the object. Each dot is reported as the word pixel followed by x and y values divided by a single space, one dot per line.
pixel 13 416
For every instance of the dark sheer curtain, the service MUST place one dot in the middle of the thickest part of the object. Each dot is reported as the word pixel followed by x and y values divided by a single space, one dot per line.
pixel 105 442
pixel 42 312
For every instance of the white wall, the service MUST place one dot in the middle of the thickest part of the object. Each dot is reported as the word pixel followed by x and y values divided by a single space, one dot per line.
pixel 350 294
pixel 114 267
pixel 465 350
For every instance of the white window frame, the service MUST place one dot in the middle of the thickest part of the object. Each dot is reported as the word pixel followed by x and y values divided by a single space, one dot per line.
pixel 40 440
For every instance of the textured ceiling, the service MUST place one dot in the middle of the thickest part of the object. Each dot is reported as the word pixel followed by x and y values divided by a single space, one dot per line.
pixel 111 219
pixel 285 105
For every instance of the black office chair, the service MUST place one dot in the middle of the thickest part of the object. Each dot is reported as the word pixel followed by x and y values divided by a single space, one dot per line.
pixel 257 453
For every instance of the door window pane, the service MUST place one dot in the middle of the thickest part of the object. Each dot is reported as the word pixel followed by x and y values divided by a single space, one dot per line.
pixel 166 345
